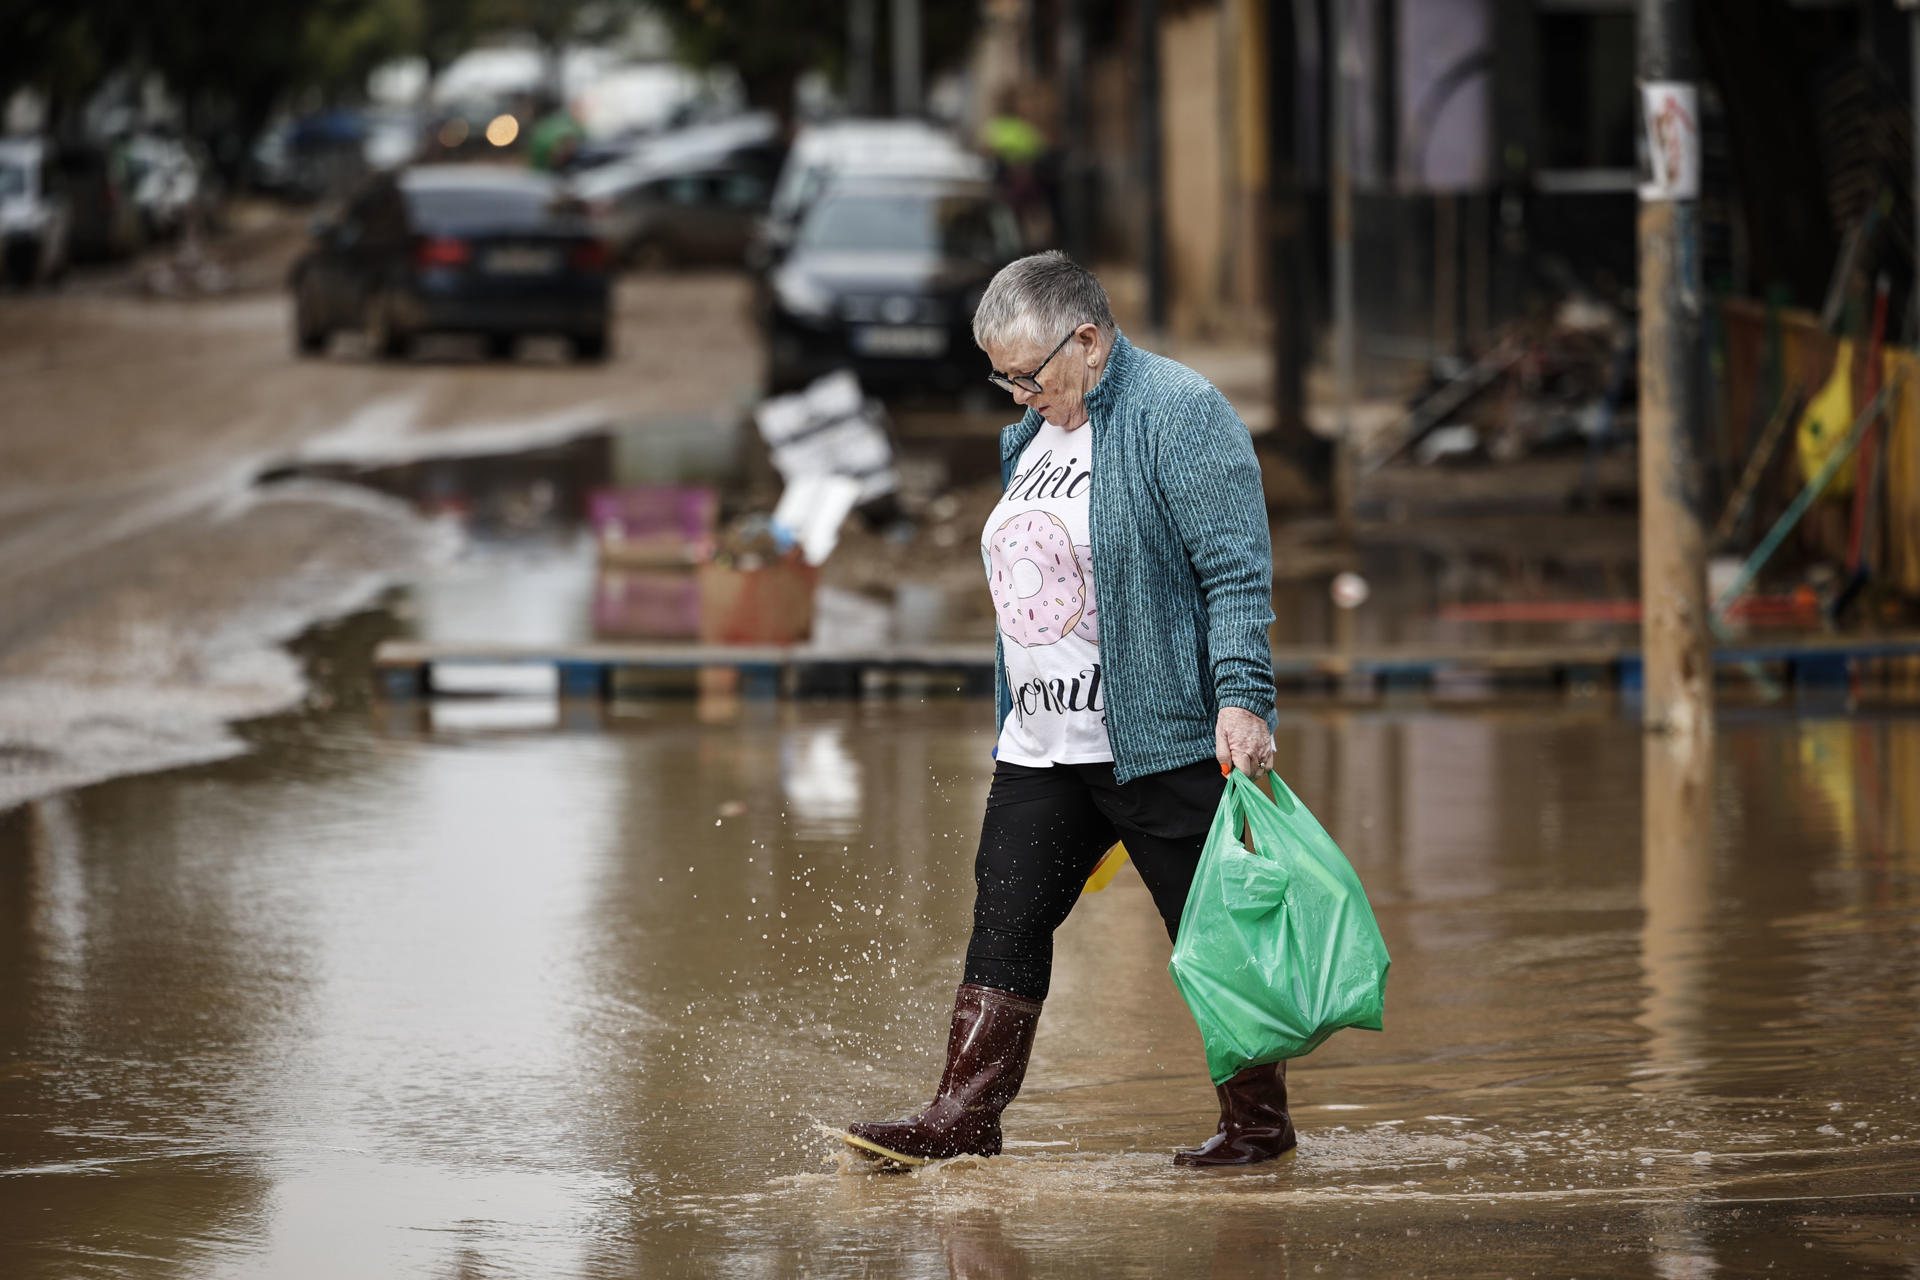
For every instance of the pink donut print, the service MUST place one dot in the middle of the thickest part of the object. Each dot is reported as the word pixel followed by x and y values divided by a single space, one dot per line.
pixel 1038 592
pixel 1088 628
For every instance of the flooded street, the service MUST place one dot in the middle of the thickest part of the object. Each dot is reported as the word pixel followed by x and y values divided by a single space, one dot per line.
pixel 383 999
pixel 170 516
pixel 505 986
pixel 517 520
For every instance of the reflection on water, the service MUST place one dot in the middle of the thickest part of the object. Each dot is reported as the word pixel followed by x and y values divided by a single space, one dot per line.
pixel 1677 896
pixel 473 998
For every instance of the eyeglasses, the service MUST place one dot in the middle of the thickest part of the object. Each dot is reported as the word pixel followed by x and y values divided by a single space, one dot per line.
pixel 1028 382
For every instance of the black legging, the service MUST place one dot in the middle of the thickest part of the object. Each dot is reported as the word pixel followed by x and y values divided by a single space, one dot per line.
pixel 1044 833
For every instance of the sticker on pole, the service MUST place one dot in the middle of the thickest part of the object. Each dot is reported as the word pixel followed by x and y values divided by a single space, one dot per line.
pixel 1672 112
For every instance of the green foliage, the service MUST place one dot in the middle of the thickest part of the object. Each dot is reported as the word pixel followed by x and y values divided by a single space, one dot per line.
pixel 63 49
pixel 771 42
pixel 256 52
pixel 344 40
pixel 759 36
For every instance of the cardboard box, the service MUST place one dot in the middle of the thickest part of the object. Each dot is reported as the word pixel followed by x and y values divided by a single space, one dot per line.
pixel 647 604
pixel 769 604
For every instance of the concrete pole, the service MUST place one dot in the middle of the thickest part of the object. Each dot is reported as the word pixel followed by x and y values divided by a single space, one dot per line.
pixel 1154 251
pixel 1340 191
pixel 1676 636
pixel 906 57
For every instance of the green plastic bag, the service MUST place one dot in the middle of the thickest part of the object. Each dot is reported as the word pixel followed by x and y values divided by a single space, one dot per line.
pixel 1278 948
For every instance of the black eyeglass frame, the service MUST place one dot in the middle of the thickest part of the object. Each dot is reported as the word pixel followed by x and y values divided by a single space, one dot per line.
pixel 1030 382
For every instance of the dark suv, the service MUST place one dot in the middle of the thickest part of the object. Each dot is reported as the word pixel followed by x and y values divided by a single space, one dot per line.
pixel 455 249
pixel 882 277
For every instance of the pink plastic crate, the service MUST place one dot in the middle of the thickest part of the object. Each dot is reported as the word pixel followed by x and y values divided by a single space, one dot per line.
pixel 654 524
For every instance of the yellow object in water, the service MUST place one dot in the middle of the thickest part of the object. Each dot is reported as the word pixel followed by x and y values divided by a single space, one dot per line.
pixel 1107 869
pixel 1826 422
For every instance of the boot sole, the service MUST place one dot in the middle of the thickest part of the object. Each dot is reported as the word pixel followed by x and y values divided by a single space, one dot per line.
pixel 874 1150
pixel 1288 1154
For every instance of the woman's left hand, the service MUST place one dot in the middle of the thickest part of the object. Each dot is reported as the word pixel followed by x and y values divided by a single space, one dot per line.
pixel 1241 740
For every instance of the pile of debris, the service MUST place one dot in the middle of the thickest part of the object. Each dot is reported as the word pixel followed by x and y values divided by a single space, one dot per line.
pixel 1563 380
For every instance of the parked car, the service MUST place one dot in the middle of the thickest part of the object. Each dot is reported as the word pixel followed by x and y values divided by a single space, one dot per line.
pixel 270 161
pixel 656 218
pixel 694 194
pixel 749 141
pixel 640 98
pixel 98 187
pixel 167 182
pixel 35 220
pixel 882 276
pixel 456 248
pixel 394 138
pixel 824 153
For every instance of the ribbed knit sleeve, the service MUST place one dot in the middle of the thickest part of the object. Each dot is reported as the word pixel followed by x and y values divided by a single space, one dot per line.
pixel 1206 467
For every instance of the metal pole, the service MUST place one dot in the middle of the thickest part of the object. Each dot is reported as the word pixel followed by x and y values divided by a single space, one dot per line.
pixel 1293 57
pixel 906 57
pixel 1675 629
pixel 1154 255
pixel 1073 119
pixel 1340 189
pixel 862 20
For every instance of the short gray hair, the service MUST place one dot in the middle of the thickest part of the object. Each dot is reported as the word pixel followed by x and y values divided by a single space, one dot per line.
pixel 1039 299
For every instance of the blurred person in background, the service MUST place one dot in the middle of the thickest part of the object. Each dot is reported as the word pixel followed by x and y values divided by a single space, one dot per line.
pixel 555 141
pixel 1119 711
pixel 1021 168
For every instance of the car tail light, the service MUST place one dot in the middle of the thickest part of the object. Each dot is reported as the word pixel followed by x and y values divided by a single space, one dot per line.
pixel 443 251
pixel 590 256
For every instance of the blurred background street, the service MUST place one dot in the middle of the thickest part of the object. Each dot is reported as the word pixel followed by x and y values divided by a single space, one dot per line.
pixel 494 657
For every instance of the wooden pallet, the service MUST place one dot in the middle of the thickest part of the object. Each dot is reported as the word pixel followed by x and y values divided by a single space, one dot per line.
pixel 405 669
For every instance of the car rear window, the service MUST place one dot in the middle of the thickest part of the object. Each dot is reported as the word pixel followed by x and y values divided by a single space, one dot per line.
pixel 13 180
pixel 483 206
pixel 959 226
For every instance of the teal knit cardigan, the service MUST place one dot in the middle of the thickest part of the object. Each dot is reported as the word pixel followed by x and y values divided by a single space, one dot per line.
pixel 1182 562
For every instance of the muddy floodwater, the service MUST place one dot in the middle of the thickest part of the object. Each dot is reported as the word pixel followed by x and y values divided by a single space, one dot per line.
pixel 482 993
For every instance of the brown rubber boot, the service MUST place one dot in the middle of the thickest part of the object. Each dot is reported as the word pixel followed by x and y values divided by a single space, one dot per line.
pixel 986 1061
pixel 1254 1124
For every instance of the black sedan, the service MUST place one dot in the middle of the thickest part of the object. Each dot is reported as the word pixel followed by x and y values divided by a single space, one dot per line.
pixel 455 249
pixel 883 277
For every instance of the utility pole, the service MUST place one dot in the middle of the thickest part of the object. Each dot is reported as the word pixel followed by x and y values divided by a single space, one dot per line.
pixel 1293 42
pixel 1676 637
pixel 1154 257
pixel 1340 193
pixel 906 57
pixel 1072 234
pixel 1676 634
pixel 862 22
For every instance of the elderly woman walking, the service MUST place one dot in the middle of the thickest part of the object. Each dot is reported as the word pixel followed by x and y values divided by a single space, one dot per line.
pixel 1132 577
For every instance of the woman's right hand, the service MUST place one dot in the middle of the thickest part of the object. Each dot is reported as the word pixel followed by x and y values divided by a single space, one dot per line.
pixel 1242 741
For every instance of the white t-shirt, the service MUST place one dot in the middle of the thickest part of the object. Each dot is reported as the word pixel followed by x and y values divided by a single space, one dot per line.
pixel 1039 559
